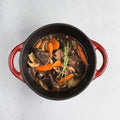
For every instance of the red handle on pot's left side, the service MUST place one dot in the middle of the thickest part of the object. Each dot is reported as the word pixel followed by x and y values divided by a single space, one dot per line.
pixel 18 48
pixel 97 46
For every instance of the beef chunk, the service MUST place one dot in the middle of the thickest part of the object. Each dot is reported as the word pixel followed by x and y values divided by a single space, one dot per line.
pixel 42 56
pixel 59 54
pixel 76 62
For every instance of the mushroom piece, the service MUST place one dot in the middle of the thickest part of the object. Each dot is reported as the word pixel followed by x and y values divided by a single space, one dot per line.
pixel 44 86
pixel 74 44
pixel 71 69
pixel 57 86
pixel 33 62
pixel 57 69
pixel 51 61
pixel 31 57
pixel 43 48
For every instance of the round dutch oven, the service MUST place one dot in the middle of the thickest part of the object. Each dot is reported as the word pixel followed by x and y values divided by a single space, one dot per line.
pixel 90 47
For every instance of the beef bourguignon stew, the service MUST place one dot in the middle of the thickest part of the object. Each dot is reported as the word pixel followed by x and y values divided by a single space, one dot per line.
pixel 57 62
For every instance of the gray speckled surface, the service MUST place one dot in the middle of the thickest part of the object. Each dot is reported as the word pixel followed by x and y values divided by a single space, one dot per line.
pixel 99 19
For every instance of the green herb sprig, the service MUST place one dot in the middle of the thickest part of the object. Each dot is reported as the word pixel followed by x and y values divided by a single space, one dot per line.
pixel 66 59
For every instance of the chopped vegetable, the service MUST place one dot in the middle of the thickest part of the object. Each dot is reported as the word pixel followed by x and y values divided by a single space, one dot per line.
pixel 57 64
pixel 33 62
pixel 66 36
pixel 57 69
pixel 51 61
pixel 68 77
pixel 57 86
pixel 72 83
pixel 43 45
pixel 82 55
pixel 44 67
pixel 50 48
pixel 38 44
pixel 31 57
pixel 74 44
pixel 48 66
pixel 71 69
pixel 44 86
pixel 55 44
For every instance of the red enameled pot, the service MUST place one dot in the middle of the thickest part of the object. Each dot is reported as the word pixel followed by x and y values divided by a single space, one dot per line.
pixel 90 48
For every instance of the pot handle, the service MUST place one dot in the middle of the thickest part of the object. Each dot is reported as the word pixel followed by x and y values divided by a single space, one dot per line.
pixel 18 48
pixel 97 46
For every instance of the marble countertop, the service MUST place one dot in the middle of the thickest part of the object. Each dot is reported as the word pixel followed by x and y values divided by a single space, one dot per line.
pixel 100 20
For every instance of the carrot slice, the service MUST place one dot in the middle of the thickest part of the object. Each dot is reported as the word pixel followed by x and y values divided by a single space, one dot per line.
pixel 55 44
pixel 50 48
pixel 44 67
pixel 38 44
pixel 68 77
pixel 82 55
pixel 57 64
pixel 48 66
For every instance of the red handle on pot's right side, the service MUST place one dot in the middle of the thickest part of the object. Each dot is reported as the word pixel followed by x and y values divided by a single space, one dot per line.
pixel 97 46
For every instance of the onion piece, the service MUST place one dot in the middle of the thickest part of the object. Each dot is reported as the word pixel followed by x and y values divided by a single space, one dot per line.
pixel 44 86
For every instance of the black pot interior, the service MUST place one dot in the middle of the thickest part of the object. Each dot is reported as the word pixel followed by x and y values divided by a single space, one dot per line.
pixel 58 28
